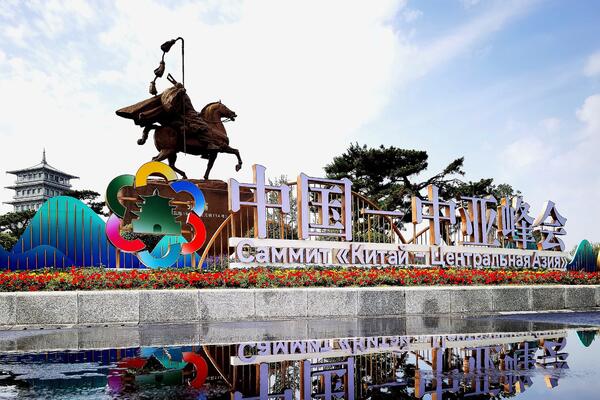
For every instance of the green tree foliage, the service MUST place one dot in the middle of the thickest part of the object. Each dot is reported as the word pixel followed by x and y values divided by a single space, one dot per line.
pixel 12 226
pixel 90 198
pixel 481 188
pixel 7 241
pixel 15 223
pixel 390 176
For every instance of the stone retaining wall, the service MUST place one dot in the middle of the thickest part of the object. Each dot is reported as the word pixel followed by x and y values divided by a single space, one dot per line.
pixel 191 305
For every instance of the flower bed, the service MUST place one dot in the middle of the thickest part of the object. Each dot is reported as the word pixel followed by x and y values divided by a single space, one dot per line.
pixel 93 278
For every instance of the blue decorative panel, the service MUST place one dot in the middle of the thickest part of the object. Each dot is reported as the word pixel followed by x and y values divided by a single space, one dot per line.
pixel 65 232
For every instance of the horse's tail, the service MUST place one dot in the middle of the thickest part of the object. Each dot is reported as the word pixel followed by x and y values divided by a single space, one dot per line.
pixel 145 134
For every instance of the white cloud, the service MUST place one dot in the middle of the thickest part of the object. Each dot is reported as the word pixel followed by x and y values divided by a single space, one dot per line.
pixel 560 169
pixel 525 152
pixel 7 8
pixel 16 34
pixel 26 21
pixel 302 82
pixel 589 114
pixel 592 66
pixel 551 124
pixel 411 15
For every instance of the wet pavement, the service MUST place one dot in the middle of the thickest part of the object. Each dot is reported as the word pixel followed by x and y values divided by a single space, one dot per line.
pixel 527 356
pixel 578 318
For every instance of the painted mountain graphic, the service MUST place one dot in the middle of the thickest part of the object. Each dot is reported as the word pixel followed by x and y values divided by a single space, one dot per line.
pixel 3 253
pixel 584 258
pixel 66 230
pixel 40 256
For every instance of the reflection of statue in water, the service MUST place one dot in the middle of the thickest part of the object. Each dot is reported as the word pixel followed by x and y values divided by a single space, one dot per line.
pixel 178 127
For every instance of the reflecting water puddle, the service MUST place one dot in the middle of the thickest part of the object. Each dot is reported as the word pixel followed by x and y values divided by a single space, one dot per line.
pixel 545 361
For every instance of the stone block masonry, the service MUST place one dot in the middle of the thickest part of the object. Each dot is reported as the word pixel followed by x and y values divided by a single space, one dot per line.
pixel 125 307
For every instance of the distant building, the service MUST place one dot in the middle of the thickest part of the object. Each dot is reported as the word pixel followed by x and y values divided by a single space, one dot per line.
pixel 35 185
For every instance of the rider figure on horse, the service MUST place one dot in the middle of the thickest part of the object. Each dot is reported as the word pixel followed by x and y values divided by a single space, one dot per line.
pixel 178 127
pixel 185 118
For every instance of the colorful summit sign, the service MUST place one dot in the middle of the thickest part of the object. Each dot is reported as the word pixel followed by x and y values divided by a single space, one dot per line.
pixel 153 210
pixel 328 228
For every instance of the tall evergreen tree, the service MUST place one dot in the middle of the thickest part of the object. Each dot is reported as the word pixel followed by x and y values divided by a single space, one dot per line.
pixel 390 176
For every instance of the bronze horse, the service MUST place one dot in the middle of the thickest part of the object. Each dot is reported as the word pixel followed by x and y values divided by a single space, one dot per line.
pixel 169 142
pixel 204 132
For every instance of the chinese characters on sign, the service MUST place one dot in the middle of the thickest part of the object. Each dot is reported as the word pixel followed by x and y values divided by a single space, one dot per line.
pixel 325 210
pixel 261 200
pixel 550 230
pixel 514 222
pixel 439 213
pixel 324 207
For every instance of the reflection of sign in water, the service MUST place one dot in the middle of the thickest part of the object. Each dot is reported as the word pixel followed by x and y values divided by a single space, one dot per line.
pixel 493 233
pixel 329 380
pixel 443 366
pixel 348 368
pixel 264 386
pixel 159 365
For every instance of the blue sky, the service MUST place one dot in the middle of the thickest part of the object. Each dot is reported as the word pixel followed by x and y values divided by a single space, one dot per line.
pixel 526 72
pixel 514 86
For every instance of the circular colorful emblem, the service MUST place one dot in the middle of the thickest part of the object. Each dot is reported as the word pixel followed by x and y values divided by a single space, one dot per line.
pixel 155 215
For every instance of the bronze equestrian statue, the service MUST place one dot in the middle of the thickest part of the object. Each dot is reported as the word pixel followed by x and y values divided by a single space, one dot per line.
pixel 178 127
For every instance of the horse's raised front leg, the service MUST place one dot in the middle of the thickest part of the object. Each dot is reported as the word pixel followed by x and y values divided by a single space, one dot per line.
pixel 231 150
pixel 145 133
pixel 211 162
pixel 172 159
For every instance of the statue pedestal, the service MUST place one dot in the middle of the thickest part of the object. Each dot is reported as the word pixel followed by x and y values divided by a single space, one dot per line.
pixel 215 193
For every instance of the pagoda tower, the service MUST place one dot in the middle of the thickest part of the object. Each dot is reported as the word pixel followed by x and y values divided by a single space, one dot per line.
pixel 35 185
